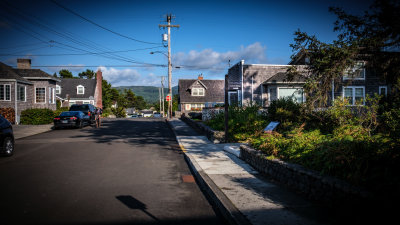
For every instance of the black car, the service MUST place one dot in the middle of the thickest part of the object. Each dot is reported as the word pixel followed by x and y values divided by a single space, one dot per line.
pixel 71 119
pixel 6 137
pixel 87 109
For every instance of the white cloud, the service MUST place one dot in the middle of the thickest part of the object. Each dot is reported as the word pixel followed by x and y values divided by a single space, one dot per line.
pixel 209 59
pixel 128 77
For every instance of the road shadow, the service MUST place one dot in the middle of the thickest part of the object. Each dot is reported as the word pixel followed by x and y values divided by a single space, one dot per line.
pixel 136 132
pixel 133 203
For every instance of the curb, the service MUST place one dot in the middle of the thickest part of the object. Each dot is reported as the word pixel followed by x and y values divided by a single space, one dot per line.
pixel 222 203
pixel 28 134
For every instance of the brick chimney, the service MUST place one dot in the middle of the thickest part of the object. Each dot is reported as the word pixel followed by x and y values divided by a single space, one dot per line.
pixel 98 96
pixel 200 77
pixel 23 63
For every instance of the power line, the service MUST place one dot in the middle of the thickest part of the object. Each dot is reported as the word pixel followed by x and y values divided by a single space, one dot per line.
pixel 66 35
pixel 84 66
pixel 71 54
pixel 19 46
pixel 96 24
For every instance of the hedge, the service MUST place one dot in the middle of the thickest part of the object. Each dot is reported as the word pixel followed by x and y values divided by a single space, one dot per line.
pixel 37 116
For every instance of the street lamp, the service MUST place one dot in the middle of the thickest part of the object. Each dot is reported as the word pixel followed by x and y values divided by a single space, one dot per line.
pixel 160 53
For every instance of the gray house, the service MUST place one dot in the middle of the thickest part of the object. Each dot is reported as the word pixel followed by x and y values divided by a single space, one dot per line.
pixel 25 88
pixel 195 94
pixel 80 91
pixel 263 83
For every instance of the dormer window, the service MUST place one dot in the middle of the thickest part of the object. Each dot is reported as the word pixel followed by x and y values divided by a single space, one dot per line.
pixel 355 73
pixel 80 90
pixel 58 89
pixel 197 91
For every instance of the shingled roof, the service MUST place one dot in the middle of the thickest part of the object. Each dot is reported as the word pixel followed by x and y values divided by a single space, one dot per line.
pixel 69 86
pixel 34 74
pixel 214 91
pixel 7 72
pixel 282 78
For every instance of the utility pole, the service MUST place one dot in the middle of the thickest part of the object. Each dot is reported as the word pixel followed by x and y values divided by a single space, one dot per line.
pixel 159 98
pixel 162 95
pixel 168 26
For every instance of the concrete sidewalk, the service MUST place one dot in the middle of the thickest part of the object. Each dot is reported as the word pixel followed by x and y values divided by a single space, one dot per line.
pixel 241 194
pixel 21 131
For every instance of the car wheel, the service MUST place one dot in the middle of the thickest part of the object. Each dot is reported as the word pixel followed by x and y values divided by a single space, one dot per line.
pixel 8 146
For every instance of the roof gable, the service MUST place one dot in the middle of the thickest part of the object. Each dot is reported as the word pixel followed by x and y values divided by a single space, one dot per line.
pixel 197 83
pixel 214 90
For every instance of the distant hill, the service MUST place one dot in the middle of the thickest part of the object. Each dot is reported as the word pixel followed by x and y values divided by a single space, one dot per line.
pixel 149 93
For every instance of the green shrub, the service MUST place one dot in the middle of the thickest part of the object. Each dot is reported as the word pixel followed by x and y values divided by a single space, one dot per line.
pixel 37 116
pixel 284 109
pixel 106 112
pixel 243 122
pixel 119 112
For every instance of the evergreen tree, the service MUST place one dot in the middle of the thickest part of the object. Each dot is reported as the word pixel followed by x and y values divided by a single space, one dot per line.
pixel 88 74
pixel 64 73
pixel 373 37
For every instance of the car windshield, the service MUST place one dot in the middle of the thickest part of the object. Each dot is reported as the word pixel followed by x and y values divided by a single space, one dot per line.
pixel 69 113
pixel 79 107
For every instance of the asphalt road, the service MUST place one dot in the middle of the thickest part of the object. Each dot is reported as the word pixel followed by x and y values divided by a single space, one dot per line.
pixel 129 171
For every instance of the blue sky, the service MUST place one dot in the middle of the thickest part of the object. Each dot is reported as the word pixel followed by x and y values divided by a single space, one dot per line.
pixel 211 33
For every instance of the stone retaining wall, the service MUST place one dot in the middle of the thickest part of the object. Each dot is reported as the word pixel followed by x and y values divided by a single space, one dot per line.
pixel 311 183
pixel 209 113
pixel 212 135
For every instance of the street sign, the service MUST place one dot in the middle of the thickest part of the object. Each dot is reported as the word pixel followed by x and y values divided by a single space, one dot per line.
pixel 271 126
pixel 168 98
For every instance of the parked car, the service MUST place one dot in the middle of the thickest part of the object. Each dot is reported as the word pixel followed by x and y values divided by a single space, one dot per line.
pixel 134 116
pixel 87 109
pixel 6 137
pixel 157 115
pixel 71 119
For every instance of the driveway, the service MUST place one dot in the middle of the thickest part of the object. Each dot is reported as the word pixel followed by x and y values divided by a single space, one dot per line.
pixel 129 171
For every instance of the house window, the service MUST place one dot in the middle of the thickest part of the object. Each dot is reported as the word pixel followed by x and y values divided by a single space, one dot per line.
pixel 51 95
pixel 197 91
pixel 80 90
pixel 58 89
pixel 5 92
pixel 233 98
pixel 355 95
pixel 21 93
pixel 355 73
pixel 383 90
pixel 40 95
pixel 294 93
pixel 196 107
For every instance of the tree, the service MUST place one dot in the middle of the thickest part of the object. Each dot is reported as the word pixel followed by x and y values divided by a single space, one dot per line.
pixel 88 74
pixel 175 105
pixel 376 33
pixel 64 73
pixel 130 98
pixel 107 94
pixel 373 37
pixel 140 103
